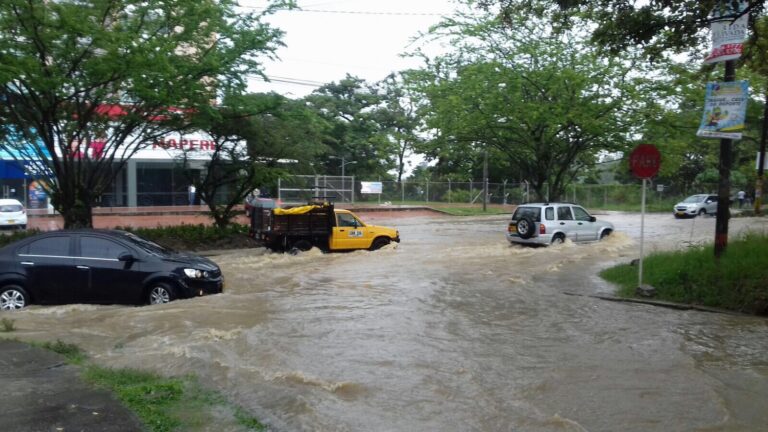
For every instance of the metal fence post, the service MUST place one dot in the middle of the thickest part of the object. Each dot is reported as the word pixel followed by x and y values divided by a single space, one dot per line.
pixel 450 195
pixel 352 190
pixel 402 191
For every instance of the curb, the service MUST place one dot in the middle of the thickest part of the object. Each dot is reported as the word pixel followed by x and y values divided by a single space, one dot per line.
pixel 664 304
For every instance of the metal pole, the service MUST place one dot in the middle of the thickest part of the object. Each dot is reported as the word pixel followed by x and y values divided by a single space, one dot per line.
pixel 504 191
pixel 279 189
pixel 450 197
pixel 343 195
pixel 642 238
pixel 382 190
pixel 427 189
pixel 402 191
pixel 761 160
pixel 485 180
pixel 352 190
pixel 724 184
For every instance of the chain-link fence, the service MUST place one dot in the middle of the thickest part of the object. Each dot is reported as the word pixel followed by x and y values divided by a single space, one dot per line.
pixel 301 189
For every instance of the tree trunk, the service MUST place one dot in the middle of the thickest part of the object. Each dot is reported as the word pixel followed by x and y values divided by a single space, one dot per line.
pixel 77 213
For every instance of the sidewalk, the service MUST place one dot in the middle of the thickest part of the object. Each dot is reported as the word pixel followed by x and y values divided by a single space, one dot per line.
pixel 41 392
pixel 152 217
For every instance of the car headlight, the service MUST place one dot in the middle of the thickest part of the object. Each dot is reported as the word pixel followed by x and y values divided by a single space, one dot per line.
pixel 195 274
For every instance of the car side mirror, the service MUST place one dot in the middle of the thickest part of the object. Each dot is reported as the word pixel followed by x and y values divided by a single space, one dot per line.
pixel 126 257
pixel 592 219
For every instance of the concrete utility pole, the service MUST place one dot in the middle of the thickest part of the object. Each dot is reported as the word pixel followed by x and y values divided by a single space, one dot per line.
pixel 724 184
pixel 485 181
pixel 761 160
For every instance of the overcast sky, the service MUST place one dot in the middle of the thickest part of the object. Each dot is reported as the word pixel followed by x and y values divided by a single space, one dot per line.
pixel 331 38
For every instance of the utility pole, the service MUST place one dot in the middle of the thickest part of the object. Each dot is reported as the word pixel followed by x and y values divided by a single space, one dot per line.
pixel 761 160
pixel 724 184
pixel 485 181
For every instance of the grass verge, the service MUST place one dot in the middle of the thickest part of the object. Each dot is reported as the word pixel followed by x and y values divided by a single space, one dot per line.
pixel 737 281
pixel 471 211
pixel 163 404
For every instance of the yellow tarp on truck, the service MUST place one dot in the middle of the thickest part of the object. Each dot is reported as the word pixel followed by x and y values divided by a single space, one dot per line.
pixel 295 210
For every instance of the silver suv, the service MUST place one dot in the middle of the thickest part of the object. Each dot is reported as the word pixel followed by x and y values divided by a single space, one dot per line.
pixel 696 205
pixel 552 223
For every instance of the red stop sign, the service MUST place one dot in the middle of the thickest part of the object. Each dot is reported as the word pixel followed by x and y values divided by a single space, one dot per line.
pixel 645 161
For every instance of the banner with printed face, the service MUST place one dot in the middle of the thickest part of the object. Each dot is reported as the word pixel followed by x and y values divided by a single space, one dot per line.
pixel 725 108
pixel 728 34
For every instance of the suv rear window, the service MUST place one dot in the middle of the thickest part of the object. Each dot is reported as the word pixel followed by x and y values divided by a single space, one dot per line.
pixel 532 212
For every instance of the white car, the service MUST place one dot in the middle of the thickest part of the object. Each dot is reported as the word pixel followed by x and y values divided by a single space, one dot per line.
pixel 12 214
pixel 696 205
pixel 552 223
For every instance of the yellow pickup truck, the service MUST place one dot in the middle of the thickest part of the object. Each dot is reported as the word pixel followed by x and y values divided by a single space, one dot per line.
pixel 317 225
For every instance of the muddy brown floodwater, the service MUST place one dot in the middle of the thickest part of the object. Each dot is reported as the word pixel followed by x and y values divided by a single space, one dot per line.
pixel 452 330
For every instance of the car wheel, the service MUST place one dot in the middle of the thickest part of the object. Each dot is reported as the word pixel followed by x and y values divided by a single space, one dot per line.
pixel 702 212
pixel 379 243
pixel 605 234
pixel 13 297
pixel 558 238
pixel 161 293
pixel 525 227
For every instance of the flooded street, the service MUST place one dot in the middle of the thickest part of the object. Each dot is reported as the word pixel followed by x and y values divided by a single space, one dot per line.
pixel 451 330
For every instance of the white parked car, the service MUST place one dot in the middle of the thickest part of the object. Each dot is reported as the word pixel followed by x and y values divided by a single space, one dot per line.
pixel 552 223
pixel 696 205
pixel 12 214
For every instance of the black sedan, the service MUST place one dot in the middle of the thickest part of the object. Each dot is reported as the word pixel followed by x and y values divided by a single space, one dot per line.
pixel 100 266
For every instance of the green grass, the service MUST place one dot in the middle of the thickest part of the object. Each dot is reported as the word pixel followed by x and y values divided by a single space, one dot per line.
pixel 737 281
pixel 7 325
pixel 72 352
pixel 472 211
pixel 163 404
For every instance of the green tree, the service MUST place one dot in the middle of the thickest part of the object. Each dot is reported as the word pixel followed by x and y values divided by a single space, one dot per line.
pixel 399 118
pixel 660 27
pixel 257 139
pixel 87 83
pixel 548 105
pixel 355 133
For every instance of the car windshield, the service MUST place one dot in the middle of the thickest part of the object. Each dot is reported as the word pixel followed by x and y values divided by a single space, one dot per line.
pixel 10 208
pixel 146 245
pixel 694 199
pixel 531 212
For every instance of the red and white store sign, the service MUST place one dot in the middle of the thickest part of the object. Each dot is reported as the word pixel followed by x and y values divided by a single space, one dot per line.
pixel 195 146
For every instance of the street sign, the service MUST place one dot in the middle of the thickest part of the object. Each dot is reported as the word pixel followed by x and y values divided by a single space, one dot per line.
pixel 645 161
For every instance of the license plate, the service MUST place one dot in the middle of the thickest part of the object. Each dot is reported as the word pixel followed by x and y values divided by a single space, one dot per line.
pixel 512 228
pixel 10 221
pixel 681 213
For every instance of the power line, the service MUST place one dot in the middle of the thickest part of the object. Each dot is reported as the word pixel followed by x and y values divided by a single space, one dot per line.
pixel 287 80
pixel 349 12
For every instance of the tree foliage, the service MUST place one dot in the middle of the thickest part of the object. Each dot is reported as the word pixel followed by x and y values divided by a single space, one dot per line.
pixel 356 133
pixel 658 26
pixel 256 136
pixel 546 104
pixel 87 83
pixel 399 119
